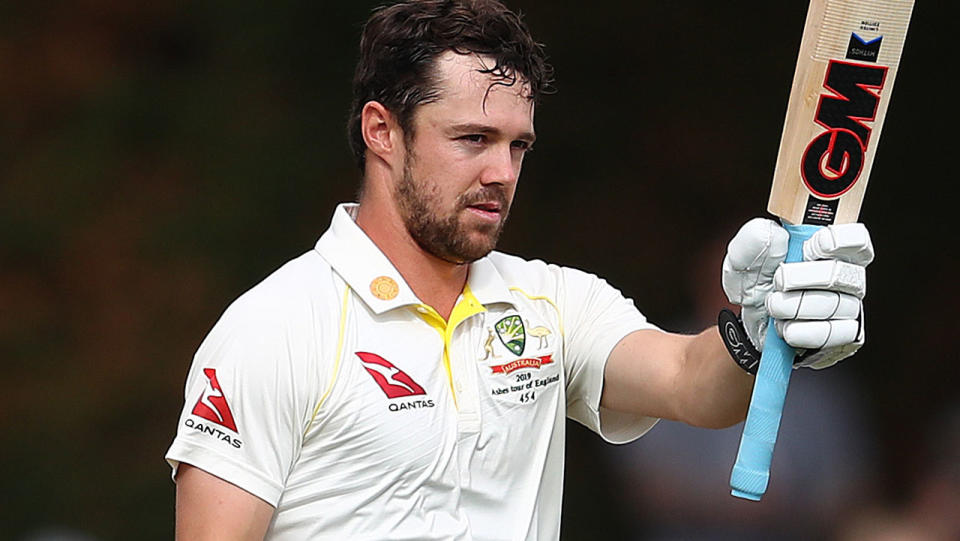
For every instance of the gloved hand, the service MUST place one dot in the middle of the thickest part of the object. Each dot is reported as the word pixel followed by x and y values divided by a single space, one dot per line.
pixel 816 303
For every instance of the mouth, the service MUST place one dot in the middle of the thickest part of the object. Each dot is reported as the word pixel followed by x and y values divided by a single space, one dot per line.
pixel 487 210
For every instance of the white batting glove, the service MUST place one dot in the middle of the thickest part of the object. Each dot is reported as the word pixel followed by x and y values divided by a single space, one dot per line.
pixel 817 303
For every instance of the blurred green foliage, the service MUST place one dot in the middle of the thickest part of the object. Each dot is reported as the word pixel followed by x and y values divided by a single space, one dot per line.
pixel 157 159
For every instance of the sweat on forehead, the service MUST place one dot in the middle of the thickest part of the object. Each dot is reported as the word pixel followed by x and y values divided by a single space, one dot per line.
pixel 455 74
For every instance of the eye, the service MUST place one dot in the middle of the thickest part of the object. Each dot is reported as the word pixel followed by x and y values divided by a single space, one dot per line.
pixel 473 138
pixel 524 146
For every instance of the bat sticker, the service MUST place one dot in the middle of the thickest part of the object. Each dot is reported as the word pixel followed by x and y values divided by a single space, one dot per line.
pixel 834 159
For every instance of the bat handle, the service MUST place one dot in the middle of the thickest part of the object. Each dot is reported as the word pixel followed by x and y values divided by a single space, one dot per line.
pixel 752 468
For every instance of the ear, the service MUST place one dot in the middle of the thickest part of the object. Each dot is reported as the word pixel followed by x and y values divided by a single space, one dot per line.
pixel 380 130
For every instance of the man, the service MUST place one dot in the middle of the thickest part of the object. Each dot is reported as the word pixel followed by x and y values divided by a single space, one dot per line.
pixel 356 392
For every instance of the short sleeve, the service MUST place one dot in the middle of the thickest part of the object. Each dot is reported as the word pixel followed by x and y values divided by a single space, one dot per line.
pixel 247 398
pixel 596 316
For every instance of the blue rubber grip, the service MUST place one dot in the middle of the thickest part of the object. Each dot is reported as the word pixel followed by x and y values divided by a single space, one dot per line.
pixel 751 472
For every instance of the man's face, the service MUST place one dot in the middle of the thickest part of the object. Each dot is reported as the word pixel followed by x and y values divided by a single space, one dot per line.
pixel 461 168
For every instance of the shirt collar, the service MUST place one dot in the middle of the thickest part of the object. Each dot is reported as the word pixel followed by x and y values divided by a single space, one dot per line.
pixel 487 284
pixel 374 278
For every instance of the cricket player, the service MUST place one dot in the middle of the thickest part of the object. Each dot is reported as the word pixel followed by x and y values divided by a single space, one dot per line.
pixel 403 380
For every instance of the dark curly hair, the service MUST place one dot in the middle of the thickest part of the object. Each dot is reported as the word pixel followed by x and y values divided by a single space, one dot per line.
pixel 401 42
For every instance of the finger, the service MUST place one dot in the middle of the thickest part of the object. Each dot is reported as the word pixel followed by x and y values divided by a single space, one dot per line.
pixel 752 258
pixel 761 244
pixel 734 284
pixel 818 334
pixel 846 242
pixel 831 275
pixel 813 304
pixel 755 322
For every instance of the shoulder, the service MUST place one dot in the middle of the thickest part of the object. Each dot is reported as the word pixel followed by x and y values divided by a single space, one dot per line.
pixel 540 277
pixel 299 282
pixel 286 303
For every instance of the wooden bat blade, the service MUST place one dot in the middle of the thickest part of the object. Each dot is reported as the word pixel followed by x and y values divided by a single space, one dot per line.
pixel 848 62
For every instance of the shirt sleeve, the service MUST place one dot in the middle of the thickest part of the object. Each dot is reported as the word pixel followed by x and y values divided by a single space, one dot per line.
pixel 247 399
pixel 596 316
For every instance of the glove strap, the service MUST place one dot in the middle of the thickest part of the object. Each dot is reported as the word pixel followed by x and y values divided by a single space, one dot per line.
pixel 738 343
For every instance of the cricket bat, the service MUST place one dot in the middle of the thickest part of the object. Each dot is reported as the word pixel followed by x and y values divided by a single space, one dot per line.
pixel 848 61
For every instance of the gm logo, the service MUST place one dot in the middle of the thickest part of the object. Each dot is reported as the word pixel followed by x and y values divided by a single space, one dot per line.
pixel 834 159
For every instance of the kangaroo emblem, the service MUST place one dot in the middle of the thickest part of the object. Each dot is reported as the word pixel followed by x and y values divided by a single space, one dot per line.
pixel 488 345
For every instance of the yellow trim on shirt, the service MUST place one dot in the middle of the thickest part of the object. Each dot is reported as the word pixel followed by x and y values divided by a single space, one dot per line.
pixel 543 298
pixel 467 306
pixel 336 360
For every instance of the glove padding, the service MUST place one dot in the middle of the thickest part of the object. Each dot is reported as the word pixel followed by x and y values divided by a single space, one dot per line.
pixel 816 303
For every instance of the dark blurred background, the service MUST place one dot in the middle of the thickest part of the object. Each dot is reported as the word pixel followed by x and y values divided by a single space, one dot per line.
pixel 159 158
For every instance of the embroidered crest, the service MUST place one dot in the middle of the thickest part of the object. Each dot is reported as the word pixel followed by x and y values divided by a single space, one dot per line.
pixel 511 333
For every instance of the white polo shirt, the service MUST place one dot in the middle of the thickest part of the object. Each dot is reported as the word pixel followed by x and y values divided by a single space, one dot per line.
pixel 331 392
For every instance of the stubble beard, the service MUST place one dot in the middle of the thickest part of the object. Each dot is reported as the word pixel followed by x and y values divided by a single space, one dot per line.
pixel 446 237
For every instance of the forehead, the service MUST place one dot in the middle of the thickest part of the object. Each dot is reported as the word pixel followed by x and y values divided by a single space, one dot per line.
pixel 466 91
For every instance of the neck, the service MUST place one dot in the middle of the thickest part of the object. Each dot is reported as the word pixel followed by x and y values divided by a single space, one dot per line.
pixel 436 282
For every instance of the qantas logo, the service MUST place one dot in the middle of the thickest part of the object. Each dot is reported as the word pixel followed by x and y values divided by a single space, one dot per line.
pixel 394 382
pixel 212 404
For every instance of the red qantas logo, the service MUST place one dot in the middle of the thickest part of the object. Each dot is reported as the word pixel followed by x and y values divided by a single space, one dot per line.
pixel 531 362
pixel 212 404
pixel 394 382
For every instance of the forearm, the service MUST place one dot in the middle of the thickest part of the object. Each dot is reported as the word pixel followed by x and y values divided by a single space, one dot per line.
pixel 714 392
pixel 685 378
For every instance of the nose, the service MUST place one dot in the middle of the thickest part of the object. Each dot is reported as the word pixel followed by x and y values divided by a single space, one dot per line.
pixel 503 166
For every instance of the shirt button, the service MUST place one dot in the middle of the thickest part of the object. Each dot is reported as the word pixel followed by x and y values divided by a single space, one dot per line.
pixel 459 387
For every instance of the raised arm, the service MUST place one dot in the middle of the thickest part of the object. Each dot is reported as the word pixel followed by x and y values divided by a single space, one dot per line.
pixel 209 508
pixel 685 378
pixel 817 305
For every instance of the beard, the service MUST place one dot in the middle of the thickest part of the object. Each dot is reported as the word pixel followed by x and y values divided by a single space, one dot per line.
pixel 446 236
